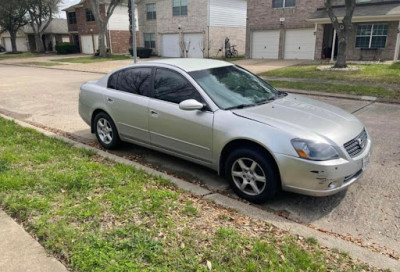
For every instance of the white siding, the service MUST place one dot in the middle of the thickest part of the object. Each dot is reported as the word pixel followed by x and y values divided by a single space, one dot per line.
pixel 229 13
pixel 120 19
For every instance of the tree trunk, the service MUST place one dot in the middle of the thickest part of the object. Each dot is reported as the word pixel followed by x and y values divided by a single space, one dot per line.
pixel 342 52
pixel 39 43
pixel 102 44
pixel 13 39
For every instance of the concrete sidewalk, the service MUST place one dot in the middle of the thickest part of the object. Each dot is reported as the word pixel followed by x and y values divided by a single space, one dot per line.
pixel 20 252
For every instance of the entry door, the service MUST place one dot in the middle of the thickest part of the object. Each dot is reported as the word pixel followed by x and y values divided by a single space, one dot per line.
pixel 186 133
pixel 127 101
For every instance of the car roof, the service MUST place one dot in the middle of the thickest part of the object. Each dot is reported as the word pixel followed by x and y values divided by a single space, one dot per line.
pixel 190 65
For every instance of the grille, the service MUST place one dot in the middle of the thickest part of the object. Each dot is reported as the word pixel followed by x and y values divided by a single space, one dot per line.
pixel 357 145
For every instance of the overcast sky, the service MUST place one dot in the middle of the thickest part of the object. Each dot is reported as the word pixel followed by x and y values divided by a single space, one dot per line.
pixel 64 4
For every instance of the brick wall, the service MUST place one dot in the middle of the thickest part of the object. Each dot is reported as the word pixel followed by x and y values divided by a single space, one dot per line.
pixel 261 16
pixel 217 36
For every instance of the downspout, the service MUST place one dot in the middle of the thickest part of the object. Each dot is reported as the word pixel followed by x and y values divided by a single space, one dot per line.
pixel 397 48
pixel 208 29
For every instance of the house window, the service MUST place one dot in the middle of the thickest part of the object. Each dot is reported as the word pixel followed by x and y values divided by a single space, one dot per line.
pixel 149 40
pixel 179 7
pixel 283 3
pixel 151 11
pixel 72 18
pixel 89 15
pixel 371 35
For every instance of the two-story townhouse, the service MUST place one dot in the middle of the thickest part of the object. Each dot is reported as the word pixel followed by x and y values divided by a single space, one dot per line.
pixel 192 28
pixel 301 29
pixel 84 32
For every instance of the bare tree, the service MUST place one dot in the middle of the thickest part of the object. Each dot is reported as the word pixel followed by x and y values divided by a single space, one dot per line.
pixel 41 13
pixel 343 29
pixel 12 18
pixel 102 21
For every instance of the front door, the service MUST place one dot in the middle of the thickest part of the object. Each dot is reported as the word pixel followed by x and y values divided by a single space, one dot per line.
pixel 127 101
pixel 186 133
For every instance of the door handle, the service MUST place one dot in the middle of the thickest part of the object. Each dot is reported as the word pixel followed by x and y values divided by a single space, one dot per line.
pixel 110 100
pixel 154 113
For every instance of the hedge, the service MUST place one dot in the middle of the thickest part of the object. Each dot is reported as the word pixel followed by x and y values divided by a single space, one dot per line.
pixel 142 52
pixel 66 48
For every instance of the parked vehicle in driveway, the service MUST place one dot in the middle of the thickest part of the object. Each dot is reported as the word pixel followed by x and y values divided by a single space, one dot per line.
pixel 221 116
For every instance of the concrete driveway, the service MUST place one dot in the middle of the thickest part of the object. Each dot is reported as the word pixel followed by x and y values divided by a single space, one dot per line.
pixel 369 210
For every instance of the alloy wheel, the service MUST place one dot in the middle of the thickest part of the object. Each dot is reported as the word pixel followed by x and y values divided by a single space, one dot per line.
pixel 248 176
pixel 104 130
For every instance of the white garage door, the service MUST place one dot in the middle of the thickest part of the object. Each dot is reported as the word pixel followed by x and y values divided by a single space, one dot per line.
pixel 265 44
pixel 87 43
pixel 299 44
pixel 170 46
pixel 194 43
pixel 22 44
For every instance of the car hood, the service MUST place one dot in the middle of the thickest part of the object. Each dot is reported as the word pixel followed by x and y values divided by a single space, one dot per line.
pixel 304 117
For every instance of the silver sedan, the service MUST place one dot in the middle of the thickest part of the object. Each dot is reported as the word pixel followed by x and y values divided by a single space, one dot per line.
pixel 221 116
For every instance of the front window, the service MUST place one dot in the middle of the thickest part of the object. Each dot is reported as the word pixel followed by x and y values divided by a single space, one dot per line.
pixel 371 35
pixel 72 18
pixel 151 11
pixel 89 15
pixel 172 87
pixel 233 87
pixel 179 7
pixel 283 3
pixel 149 40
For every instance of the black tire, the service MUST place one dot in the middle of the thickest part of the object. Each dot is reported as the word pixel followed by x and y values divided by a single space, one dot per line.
pixel 115 137
pixel 235 53
pixel 264 163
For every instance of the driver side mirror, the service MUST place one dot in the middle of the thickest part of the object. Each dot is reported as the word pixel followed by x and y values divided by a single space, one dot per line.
pixel 190 105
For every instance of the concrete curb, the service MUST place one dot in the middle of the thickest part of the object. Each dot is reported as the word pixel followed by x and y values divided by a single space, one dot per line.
pixel 360 253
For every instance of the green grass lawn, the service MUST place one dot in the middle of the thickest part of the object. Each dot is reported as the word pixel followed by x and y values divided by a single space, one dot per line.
pixel 97 215
pixel 45 64
pixel 377 91
pixel 92 59
pixel 380 73
pixel 17 56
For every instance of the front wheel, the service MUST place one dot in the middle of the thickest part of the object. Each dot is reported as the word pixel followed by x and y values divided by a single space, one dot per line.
pixel 252 175
pixel 106 131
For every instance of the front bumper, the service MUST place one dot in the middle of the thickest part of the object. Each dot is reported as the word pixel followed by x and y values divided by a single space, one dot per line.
pixel 320 178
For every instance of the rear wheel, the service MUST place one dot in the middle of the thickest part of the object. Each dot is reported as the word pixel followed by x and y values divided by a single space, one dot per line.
pixel 252 175
pixel 106 131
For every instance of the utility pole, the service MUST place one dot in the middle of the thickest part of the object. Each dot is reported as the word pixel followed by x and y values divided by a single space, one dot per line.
pixel 134 48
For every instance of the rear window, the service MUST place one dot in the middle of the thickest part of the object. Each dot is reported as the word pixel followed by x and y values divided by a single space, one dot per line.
pixel 132 80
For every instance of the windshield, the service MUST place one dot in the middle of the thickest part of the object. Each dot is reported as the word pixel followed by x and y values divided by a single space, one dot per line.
pixel 233 87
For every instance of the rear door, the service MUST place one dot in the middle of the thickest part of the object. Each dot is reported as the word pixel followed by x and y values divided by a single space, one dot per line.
pixel 186 133
pixel 127 101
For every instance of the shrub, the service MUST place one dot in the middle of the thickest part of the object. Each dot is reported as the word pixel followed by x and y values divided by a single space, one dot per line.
pixel 66 48
pixel 142 52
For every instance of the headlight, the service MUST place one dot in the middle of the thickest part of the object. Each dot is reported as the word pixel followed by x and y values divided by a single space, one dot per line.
pixel 314 151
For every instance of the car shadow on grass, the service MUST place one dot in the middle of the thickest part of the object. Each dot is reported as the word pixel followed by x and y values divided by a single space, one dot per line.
pixel 300 208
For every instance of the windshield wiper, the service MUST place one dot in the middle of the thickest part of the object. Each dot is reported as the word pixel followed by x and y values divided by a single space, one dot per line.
pixel 241 106
pixel 266 100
